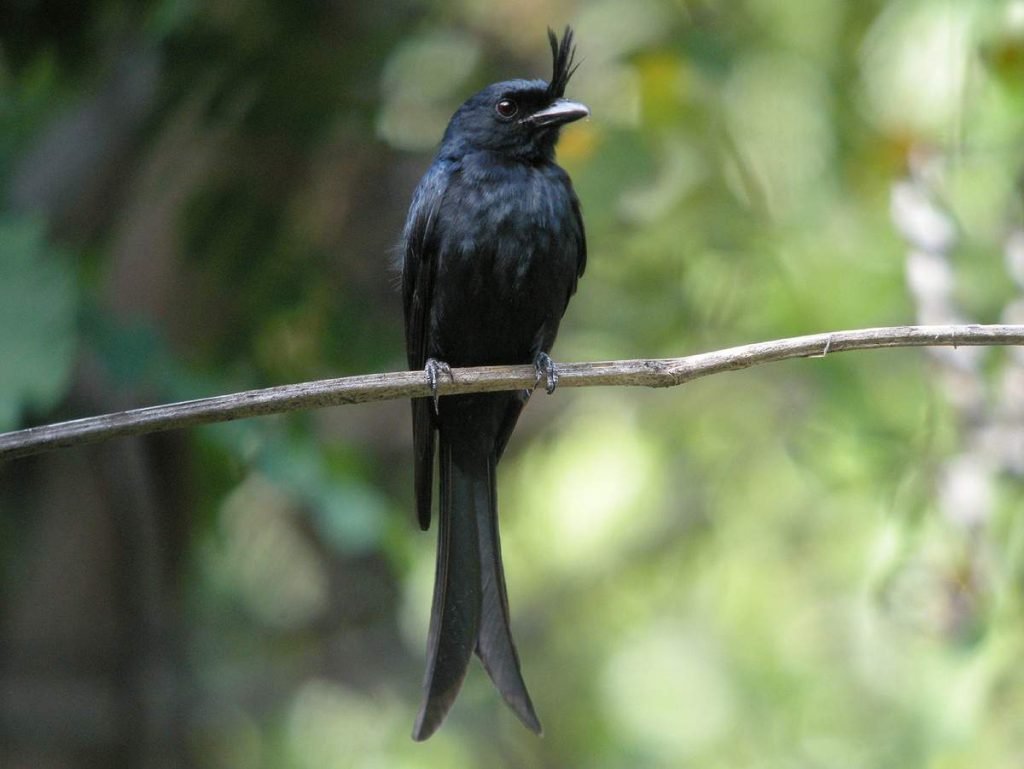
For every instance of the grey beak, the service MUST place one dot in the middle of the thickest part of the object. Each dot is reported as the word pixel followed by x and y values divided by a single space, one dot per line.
pixel 559 112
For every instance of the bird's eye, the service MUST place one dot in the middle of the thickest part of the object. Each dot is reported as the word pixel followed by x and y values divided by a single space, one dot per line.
pixel 506 108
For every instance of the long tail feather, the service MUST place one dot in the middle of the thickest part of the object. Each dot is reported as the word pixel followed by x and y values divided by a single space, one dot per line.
pixel 494 644
pixel 470 609
pixel 455 613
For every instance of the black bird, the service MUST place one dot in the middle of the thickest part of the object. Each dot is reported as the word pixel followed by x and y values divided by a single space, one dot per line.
pixel 493 247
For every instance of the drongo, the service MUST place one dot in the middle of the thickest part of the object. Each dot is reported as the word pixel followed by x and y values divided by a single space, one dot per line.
pixel 492 248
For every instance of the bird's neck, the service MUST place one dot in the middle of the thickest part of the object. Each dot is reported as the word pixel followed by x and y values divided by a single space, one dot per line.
pixel 496 159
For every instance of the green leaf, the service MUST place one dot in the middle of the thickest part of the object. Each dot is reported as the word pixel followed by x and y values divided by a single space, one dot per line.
pixel 37 320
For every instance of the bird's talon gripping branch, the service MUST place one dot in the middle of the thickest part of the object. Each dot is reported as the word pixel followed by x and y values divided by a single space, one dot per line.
pixel 546 370
pixel 434 370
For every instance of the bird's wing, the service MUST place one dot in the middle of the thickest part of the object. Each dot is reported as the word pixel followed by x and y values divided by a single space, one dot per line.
pixel 420 259
pixel 418 270
pixel 581 238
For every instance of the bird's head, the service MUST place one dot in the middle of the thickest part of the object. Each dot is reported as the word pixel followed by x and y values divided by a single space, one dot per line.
pixel 518 118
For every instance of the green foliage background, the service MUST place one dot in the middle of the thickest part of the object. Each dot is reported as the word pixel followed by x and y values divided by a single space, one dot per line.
pixel 811 564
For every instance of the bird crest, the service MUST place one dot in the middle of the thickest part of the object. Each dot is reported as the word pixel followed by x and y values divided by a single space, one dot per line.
pixel 563 55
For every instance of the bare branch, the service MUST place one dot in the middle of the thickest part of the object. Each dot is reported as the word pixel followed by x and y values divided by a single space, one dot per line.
pixel 665 372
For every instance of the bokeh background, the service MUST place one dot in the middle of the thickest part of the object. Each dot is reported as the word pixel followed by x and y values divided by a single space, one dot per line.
pixel 811 564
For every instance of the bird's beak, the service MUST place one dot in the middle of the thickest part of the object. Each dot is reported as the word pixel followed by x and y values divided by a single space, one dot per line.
pixel 559 112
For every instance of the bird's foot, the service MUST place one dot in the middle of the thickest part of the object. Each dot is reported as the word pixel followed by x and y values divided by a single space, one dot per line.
pixel 546 370
pixel 434 370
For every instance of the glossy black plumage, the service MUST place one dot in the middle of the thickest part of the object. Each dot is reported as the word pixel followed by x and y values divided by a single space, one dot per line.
pixel 493 247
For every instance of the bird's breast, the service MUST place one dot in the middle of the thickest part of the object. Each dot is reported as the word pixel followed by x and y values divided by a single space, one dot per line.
pixel 509 245
pixel 510 220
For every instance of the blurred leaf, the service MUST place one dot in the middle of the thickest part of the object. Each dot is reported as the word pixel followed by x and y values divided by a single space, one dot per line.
pixel 420 83
pixel 348 513
pixel 37 320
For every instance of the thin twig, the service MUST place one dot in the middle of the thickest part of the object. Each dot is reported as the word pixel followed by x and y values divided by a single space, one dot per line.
pixel 665 372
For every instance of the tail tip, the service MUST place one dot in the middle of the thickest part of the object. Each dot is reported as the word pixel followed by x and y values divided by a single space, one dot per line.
pixel 429 720
pixel 529 718
pixel 424 726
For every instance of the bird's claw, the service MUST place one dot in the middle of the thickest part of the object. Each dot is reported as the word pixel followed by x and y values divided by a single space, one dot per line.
pixel 546 370
pixel 434 370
